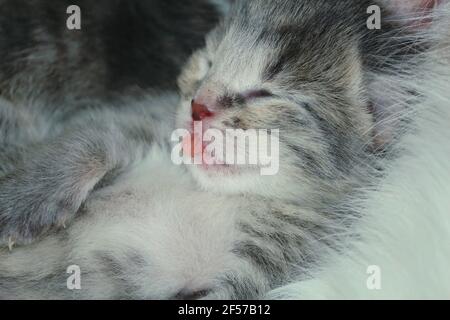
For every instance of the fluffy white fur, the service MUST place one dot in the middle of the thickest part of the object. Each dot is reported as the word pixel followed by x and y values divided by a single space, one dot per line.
pixel 406 226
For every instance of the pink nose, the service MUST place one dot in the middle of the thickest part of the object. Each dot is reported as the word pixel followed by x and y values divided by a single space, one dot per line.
pixel 200 111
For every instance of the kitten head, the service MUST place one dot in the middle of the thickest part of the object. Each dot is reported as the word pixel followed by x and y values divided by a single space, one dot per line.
pixel 303 67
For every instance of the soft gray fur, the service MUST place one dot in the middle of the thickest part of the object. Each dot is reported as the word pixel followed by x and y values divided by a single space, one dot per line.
pixel 216 235
pixel 50 74
pixel 62 115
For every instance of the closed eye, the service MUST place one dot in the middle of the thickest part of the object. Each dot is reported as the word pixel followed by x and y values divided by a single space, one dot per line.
pixel 255 94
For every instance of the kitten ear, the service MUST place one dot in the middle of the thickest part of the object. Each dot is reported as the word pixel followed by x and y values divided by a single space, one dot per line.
pixel 408 7
pixel 415 13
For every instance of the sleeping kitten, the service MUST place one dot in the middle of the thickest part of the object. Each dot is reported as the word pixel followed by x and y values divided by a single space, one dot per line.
pixel 142 227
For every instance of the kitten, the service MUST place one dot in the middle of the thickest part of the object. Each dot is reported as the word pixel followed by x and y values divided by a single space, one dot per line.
pixel 144 228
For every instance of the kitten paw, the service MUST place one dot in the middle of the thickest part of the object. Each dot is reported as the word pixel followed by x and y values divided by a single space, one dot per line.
pixel 29 210
pixel 15 233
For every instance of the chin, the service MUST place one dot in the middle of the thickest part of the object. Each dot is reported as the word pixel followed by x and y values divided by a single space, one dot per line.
pixel 239 180
pixel 225 178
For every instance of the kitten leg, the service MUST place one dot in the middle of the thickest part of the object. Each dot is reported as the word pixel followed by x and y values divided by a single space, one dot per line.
pixel 50 185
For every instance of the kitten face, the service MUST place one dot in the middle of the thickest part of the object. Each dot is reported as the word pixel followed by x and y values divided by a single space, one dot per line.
pixel 295 66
